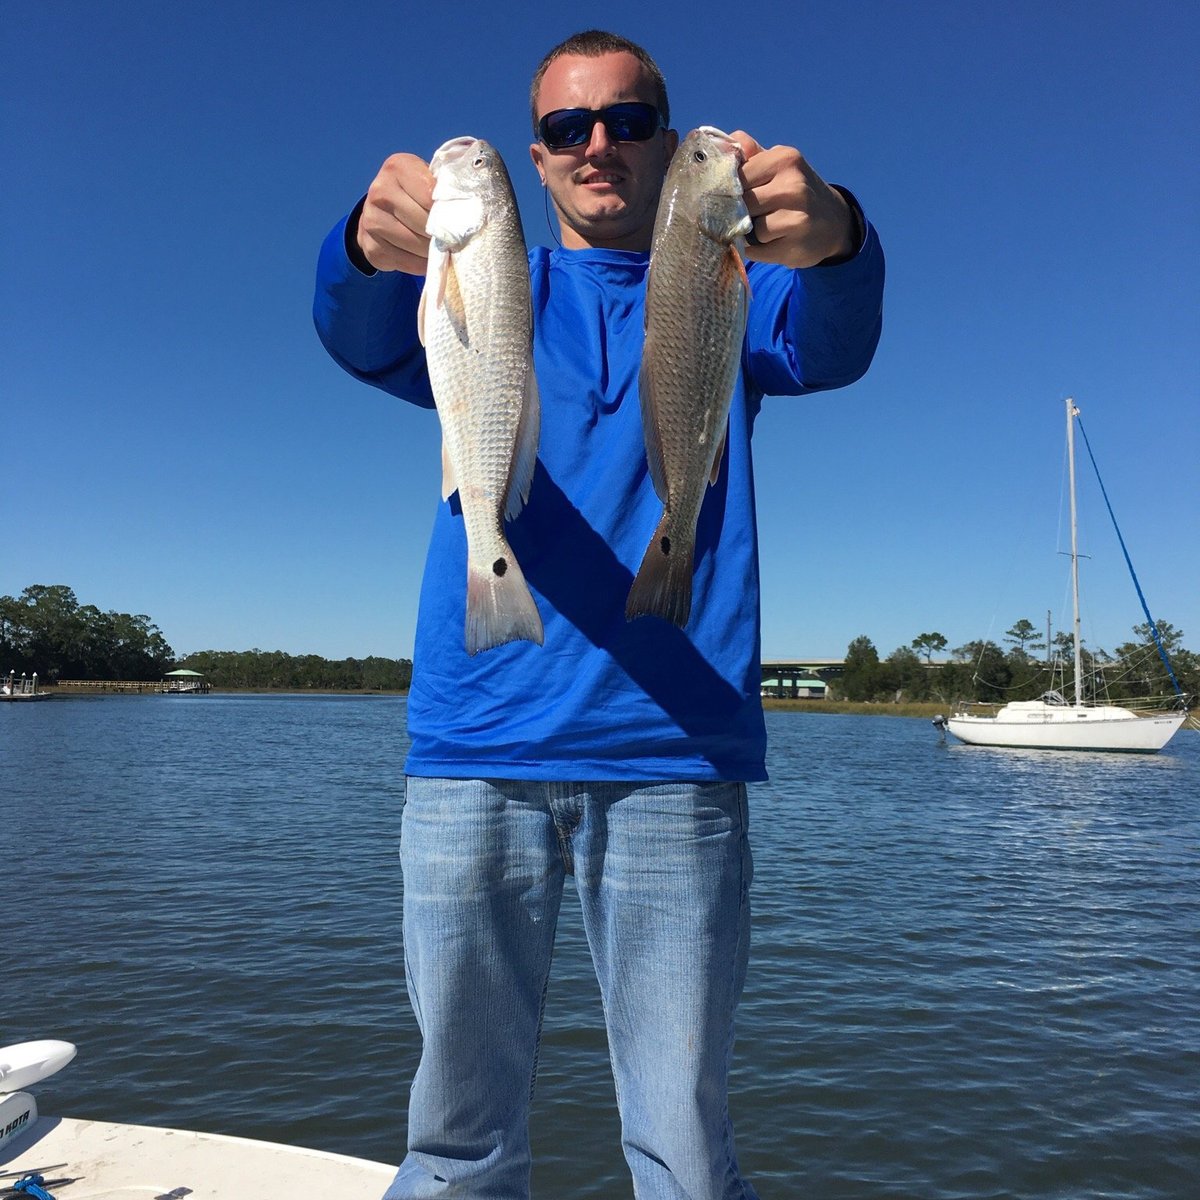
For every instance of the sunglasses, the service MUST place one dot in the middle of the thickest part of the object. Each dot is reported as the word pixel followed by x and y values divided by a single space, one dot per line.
pixel 625 123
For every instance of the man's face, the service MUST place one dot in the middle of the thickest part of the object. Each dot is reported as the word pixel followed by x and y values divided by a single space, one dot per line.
pixel 606 192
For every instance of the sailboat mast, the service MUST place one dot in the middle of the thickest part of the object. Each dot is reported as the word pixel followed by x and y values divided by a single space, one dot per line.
pixel 1071 412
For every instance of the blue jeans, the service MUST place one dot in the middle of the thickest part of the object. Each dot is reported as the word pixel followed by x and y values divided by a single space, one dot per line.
pixel 663 873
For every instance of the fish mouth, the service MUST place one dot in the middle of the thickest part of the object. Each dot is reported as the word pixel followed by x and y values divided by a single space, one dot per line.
pixel 451 152
pixel 726 143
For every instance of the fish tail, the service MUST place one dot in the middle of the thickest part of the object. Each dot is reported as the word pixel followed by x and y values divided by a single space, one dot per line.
pixel 663 586
pixel 500 606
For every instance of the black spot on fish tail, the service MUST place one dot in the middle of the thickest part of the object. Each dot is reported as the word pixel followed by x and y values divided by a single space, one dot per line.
pixel 664 544
pixel 499 566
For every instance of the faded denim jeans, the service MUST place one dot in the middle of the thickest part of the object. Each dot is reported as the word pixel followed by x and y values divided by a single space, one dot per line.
pixel 663 873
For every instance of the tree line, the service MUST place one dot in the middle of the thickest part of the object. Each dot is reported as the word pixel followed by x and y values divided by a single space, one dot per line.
pixel 46 630
pixel 273 669
pixel 1022 669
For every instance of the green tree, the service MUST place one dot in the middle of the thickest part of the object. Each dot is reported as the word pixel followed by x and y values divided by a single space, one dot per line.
pixel 861 677
pixel 1028 677
pixel 984 672
pixel 277 670
pixel 904 675
pixel 1141 671
pixel 929 644
pixel 11 631
pixel 46 630
pixel 1023 637
pixel 1063 645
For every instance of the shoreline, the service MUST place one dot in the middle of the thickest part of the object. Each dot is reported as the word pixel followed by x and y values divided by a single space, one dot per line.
pixel 770 704
pixel 858 708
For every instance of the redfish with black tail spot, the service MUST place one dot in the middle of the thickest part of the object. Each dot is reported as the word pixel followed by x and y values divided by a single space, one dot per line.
pixel 697 297
pixel 476 324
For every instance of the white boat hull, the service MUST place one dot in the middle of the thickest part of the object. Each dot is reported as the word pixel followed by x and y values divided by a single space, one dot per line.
pixel 124 1162
pixel 1037 726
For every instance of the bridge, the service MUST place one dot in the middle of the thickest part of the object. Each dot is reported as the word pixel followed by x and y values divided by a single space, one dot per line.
pixel 799 678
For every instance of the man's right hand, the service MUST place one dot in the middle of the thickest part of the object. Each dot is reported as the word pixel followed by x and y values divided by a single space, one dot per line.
pixel 391 228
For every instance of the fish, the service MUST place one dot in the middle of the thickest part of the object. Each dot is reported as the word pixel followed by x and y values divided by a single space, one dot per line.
pixel 697 299
pixel 475 321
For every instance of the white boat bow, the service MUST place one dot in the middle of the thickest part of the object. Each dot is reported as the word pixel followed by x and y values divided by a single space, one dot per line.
pixel 96 1160
pixel 71 1159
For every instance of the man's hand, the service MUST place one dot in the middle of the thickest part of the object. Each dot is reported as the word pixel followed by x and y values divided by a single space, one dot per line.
pixel 799 220
pixel 391 229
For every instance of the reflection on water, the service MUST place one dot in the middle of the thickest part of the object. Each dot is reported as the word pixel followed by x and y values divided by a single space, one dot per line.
pixel 975 971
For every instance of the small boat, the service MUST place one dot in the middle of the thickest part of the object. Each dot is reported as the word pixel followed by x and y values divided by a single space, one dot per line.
pixel 61 1157
pixel 1050 722
pixel 24 690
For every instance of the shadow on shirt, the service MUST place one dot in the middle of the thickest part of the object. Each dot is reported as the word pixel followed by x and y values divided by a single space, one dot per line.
pixel 575 569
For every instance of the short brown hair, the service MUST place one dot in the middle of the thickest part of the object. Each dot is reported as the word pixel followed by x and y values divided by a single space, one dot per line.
pixel 592 43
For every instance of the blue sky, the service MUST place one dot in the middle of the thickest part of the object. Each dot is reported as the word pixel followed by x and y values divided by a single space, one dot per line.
pixel 176 442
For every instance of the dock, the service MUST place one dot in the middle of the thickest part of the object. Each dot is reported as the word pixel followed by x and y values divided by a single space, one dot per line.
pixel 23 690
pixel 139 687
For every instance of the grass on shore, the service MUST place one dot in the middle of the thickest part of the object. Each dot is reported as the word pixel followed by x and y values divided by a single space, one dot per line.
pixel 927 708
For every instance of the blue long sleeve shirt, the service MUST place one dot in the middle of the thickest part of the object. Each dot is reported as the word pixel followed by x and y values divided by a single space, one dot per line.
pixel 603 698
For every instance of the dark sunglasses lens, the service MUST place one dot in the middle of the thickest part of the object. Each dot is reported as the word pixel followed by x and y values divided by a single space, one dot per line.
pixel 566 127
pixel 631 122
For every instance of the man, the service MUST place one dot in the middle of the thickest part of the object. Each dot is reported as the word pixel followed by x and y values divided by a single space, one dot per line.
pixel 619 751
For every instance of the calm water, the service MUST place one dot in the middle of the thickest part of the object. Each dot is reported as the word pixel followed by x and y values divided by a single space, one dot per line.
pixel 976 973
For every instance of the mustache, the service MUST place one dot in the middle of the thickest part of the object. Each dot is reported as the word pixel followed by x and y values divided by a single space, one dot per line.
pixel 583 174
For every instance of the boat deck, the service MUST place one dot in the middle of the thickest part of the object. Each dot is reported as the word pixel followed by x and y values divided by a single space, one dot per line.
pixel 103 1161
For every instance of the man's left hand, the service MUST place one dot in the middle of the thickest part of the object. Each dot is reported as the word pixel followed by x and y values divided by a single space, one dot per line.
pixel 799 220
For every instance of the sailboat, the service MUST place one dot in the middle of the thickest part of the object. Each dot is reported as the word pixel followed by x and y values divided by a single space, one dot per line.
pixel 1053 723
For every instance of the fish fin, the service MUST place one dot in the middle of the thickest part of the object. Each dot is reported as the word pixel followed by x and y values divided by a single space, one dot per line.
pixel 500 606
pixel 451 299
pixel 716 467
pixel 741 269
pixel 435 285
pixel 526 448
pixel 663 585
pixel 449 480
pixel 455 220
pixel 654 451
pixel 723 217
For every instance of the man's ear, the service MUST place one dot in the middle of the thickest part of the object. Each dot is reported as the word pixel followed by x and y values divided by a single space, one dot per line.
pixel 535 153
pixel 670 145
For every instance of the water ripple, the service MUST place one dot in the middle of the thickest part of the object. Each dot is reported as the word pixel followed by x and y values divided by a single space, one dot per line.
pixel 975 973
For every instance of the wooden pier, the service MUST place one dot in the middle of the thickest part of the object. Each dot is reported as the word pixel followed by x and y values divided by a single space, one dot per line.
pixel 132 686
pixel 111 685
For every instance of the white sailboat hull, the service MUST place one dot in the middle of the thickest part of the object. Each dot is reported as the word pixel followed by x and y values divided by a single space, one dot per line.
pixel 1033 724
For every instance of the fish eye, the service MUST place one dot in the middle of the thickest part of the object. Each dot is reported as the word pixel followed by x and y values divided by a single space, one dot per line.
pixel 479 161
pixel 700 156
